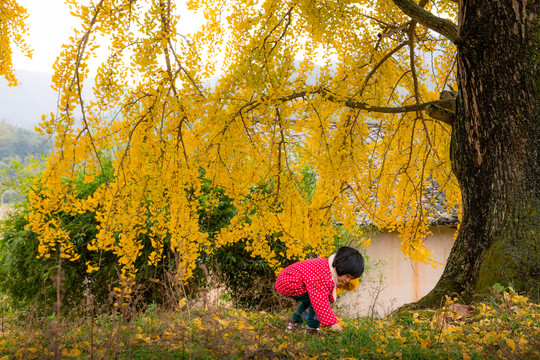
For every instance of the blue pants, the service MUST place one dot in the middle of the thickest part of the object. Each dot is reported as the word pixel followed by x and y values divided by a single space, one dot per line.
pixel 305 303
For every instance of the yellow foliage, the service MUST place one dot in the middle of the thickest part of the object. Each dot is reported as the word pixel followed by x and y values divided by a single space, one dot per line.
pixel 301 84
pixel 13 31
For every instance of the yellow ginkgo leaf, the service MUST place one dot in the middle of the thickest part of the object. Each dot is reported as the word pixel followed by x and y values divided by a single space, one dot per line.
pixel 511 343
pixel 182 303
pixel 223 322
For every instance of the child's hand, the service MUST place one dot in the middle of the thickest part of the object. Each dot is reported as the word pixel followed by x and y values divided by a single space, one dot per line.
pixel 336 327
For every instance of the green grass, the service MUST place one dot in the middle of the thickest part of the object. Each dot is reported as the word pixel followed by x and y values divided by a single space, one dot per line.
pixel 506 326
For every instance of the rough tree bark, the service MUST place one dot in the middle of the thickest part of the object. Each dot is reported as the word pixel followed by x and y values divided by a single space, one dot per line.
pixel 495 150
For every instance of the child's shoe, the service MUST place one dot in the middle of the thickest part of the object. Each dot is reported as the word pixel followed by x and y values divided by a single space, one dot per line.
pixel 313 331
pixel 291 326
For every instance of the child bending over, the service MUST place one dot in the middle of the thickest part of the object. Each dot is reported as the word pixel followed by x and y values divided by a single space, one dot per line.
pixel 314 284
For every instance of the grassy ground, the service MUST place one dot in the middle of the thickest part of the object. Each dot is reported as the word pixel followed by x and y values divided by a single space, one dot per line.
pixel 505 325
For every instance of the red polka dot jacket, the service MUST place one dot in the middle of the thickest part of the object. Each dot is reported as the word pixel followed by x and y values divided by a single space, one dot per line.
pixel 318 278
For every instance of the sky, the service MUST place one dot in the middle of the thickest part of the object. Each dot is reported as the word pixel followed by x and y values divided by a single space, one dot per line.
pixel 50 25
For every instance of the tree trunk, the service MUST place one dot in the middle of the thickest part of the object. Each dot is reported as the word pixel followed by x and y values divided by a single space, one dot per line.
pixel 495 150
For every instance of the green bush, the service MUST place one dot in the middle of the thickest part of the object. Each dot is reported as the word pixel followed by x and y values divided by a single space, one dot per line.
pixel 28 280
pixel 249 280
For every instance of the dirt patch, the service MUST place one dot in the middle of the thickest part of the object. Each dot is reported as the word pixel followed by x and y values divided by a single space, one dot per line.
pixel 4 209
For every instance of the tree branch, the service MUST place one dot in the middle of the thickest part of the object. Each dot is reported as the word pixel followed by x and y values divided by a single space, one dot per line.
pixel 444 112
pixel 440 113
pixel 442 26
pixel 382 109
pixel 444 103
pixel 379 64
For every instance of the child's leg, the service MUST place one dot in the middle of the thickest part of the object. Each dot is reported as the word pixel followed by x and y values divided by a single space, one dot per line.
pixel 304 304
pixel 311 321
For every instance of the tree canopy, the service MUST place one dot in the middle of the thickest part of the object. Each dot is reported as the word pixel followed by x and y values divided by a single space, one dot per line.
pixel 264 92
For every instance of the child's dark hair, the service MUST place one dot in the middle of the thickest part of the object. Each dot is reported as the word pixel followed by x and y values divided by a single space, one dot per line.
pixel 348 261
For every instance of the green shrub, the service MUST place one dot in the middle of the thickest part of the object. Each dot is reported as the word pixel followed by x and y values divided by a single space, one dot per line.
pixel 28 280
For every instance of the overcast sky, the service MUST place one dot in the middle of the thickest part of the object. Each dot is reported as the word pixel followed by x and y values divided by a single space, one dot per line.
pixel 50 25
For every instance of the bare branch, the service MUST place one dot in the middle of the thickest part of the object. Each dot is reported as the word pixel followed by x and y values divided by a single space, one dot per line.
pixel 442 26
pixel 444 112
pixel 394 30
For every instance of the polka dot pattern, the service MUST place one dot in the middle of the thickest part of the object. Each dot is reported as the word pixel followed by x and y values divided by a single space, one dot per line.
pixel 314 277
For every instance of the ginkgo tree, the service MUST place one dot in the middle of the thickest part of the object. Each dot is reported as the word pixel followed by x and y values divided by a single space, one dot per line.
pixel 359 92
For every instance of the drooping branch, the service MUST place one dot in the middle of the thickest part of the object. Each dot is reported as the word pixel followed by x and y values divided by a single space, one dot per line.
pixel 76 82
pixel 287 23
pixel 442 26
pixel 412 59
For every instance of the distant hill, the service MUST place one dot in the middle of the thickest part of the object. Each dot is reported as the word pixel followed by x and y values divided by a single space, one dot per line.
pixel 20 144
pixel 17 145
pixel 24 104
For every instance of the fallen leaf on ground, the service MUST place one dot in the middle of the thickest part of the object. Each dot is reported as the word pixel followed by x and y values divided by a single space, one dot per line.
pixel 463 310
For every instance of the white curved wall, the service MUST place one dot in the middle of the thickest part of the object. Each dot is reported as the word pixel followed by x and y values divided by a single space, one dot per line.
pixel 391 281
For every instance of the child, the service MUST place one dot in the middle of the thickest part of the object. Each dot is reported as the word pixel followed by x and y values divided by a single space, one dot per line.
pixel 314 283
